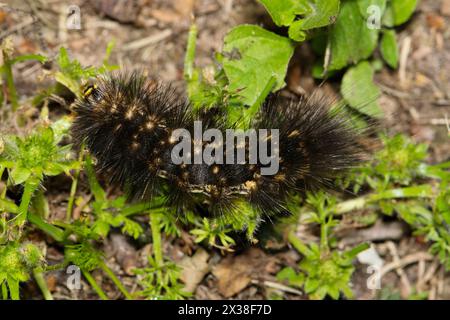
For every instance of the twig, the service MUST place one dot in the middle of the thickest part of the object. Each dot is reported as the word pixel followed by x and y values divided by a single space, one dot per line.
pixel 394 92
pixel 155 38
pixel 410 259
pixel 278 286
pixel 404 54
pixel 431 271
pixel 400 272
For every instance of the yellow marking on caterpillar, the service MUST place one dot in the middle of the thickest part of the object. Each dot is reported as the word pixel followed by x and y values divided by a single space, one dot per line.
pixel 89 89
pixel 294 133
pixel 250 185
pixel 135 146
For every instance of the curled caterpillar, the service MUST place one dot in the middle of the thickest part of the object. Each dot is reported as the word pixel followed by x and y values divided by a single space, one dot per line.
pixel 127 123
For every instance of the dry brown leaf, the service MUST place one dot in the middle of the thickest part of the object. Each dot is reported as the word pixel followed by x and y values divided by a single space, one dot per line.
pixel 52 282
pixel 194 269
pixel 234 273
pixel 435 21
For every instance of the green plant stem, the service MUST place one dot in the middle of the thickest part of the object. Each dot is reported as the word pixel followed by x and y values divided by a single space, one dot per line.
pixel 40 204
pixel 251 112
pixel 420 191
pixel 30 187
pixel 116 281
pixel 156 237
pixel 190 52
pixel 42 284
pixel 54 267
pixel 94 285
pixel 324 236
pixel 298 244
pixel 357 250
pixel 4 291
pixel 8 75
pixel 143 207
pixel 55 232
pixel 2 169
pixel 73 188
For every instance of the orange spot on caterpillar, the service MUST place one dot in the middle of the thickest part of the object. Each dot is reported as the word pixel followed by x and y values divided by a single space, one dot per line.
pixel 250 185
pixel 294 134
pixel 135 146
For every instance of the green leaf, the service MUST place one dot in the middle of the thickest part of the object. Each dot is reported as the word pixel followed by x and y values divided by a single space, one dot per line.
pixel 283 12
pixel 20 175
pixel 8 206
pixel 389 48
pixel 311 285
pixel 398 12
pixel 320 14
pixel 293 278
pixel 101 228
pixel 350 40
pixel 300 16
pixel 365 7
pixel 28 57
pixel 53 169
pixel 96 189
pixel 359 91
pixel 13 286
pixel 253 57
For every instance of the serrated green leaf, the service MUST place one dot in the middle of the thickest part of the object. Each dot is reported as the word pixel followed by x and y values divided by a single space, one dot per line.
pixel 350 40
pixel 389 48
pixel 253 57
pixel 320 14
pixel 359 90
pixel 284 12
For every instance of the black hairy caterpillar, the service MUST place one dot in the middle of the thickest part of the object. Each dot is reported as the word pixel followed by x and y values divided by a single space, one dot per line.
pixel 126 122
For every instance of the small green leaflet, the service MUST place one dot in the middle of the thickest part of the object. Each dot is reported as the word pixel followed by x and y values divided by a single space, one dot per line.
pixel 389 49
pixel 302 15
pixel 252 57
pixel 350 40
pixel 359 91
pixel 398 12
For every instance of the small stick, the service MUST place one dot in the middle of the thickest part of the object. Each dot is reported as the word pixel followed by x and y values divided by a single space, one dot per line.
pixel 155 38
pixel 279 286
pixel 406 49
